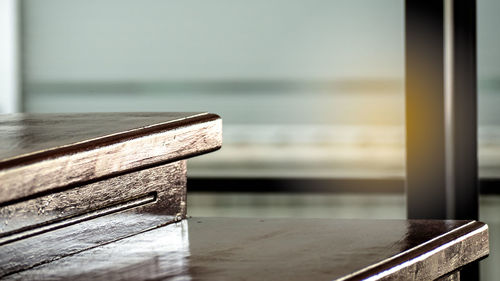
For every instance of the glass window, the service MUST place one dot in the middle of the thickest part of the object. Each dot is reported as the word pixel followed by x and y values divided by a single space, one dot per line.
pixel 305 88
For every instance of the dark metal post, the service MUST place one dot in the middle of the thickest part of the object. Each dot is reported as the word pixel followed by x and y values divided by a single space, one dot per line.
pixel 464 115
pixel 425 136
pixel 441 122
pixel 441 112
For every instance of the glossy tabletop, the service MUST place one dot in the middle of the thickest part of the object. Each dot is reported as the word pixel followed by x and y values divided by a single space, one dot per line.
pixel 43 152
pixel 278 249
pixel 30 134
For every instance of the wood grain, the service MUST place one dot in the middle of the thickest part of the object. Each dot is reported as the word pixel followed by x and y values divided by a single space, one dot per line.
pixel 279 249
pixel 168 182
pixel 455 276
pixel 43 153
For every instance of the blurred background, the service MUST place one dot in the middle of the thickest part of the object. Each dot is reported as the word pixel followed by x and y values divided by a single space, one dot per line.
pixel 311 94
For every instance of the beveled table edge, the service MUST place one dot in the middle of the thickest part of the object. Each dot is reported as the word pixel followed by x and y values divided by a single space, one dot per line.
pixel 472 237
pixel 104 140
pixel 21 177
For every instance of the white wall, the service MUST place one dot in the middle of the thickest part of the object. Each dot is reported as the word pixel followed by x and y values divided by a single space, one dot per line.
pixel 9 78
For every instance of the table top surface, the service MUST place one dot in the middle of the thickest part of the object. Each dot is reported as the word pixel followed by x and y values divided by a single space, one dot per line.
pixel 41 152
pixel 278 249
pixel 29 134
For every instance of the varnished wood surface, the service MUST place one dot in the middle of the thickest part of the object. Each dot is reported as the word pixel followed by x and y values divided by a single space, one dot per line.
pixel 43 152
pixel 28 134
pixel 278 249
pixel 165 186
pixel 455 276
pixel 64 223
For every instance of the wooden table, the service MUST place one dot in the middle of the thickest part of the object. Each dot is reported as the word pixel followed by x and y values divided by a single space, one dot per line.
pixel 103 196
pixel 279 249
pixel 82 178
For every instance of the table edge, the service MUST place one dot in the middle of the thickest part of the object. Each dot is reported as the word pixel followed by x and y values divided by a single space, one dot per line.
pixel 471 235
pixel 203 131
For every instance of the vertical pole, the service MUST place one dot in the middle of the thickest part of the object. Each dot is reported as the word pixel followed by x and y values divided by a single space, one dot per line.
pixel 425 130
pixel 465 111
pixel 441 122
pixel 441 112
